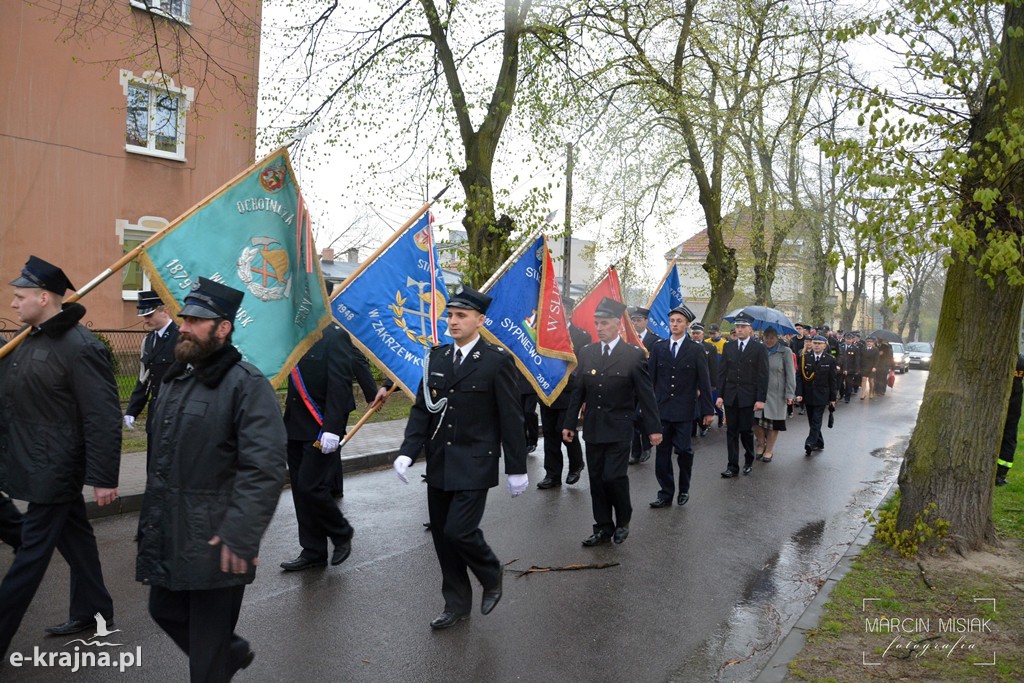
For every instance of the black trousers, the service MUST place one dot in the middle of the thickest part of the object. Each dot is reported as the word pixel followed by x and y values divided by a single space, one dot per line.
pixel 202 624
pixel 739 427
pixel 814 438
pixel 530 422
pixel 63 526
pixel 675 436
pixel 337 474
pixel 552 421
pixel 10 522
pixel 460 546
pixel 312 474
pixel 1008 445
pixel 607 466
pixel 641 441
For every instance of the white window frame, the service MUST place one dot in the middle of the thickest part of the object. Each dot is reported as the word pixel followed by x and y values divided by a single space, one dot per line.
pixel 159 7
pixel 144 228
pixel 157 82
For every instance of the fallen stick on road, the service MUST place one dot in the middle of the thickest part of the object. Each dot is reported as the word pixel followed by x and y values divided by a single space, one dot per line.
pixel 565 568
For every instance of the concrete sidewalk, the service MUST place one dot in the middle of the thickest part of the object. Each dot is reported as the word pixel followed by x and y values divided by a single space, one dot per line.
pixel 374 445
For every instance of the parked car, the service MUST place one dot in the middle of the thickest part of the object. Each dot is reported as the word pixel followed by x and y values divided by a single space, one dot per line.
pixel 920 355
pixel 901 357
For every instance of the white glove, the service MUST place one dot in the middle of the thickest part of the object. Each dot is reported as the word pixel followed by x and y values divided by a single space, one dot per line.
pixel 402 463
pixel 517 484
pixel 329 442
pixel 129 422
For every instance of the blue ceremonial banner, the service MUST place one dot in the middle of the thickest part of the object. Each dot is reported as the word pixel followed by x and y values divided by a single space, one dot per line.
pixel 253 234
pixel 668 296
pixel 527 318
pixel 393 307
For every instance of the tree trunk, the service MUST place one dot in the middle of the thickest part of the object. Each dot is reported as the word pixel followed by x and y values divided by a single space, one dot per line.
pixel 951 457
pixel 487 235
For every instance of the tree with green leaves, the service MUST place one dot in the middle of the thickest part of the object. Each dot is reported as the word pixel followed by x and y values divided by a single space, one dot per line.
pixel 945 152
pixel 437 77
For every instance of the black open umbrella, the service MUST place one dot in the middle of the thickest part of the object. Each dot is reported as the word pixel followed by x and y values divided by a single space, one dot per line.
pixel 887 336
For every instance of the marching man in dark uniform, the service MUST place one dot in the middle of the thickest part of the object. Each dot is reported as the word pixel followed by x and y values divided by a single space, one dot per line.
pixel 849 362
pixel 316 414
pixel 639 316
pixel 742 389
pixel 212 485
pixel 157 355
pixel 613 383
pixel 1008 445
pixel 816 388
pixel 679 372
pixel 467 411
pixel 10 523
pixel 58 402
pixel 553 417
pixel 711 353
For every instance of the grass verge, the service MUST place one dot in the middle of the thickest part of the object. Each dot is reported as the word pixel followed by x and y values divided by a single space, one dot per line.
pixel 938 617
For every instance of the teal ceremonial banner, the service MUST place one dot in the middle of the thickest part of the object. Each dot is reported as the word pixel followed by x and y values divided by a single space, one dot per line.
pixel 253 234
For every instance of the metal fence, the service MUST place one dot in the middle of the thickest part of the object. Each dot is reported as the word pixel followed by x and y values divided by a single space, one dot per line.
pixel 124 348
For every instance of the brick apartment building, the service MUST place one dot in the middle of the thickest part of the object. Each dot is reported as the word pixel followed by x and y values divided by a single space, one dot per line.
pixel 102 147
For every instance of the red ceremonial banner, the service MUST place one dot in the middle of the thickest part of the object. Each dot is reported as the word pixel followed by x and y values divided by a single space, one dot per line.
pixel 583 314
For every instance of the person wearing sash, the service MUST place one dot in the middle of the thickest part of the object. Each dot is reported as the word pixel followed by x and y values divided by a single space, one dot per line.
pixel 316 412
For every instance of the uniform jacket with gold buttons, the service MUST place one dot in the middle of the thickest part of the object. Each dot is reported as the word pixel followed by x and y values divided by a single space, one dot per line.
pixel 677 380
pixel 612 391
pixel 483 415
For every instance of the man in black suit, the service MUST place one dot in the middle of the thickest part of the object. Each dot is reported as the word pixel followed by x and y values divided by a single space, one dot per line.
pixel 742 389
pixel 849 363
pixel 613 383
pixel 816 388
pixel 467 411
pixel 363 376
pixel 157 355
pixel 679 372
pixel 641 449
pixel 553 417
pixel 711 353
pixel 316 413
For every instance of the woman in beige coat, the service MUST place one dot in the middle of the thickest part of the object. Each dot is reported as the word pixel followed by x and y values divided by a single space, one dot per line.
pixel 781 390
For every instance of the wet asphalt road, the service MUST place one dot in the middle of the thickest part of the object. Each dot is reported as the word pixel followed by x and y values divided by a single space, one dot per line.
pixel 703 592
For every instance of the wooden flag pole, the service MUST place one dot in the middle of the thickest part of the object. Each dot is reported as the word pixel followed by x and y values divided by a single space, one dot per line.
pixel 387 243
pixel 658 288
pixel 373 408
pixel 134 253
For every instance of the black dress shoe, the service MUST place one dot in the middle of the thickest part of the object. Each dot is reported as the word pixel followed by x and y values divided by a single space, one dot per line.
pixel 300 563
pixel 633 461
pixel 548 483
pixel 645 455
pixel 244 662
pixel 1000 481
pixel 747 469
pixel 661 503
pixel 491 598
pixel 341 552
pixel 597 538
pixel 75 626
pixel 447 619
pixel 807 452
pixel 574 476
pixel 620 534
pixel 683 499
pixel 729 474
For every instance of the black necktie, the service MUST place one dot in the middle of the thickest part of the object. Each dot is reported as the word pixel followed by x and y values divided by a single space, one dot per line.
pixel 458 360
pixel 675 347
pixel 742 346
pixel 607 352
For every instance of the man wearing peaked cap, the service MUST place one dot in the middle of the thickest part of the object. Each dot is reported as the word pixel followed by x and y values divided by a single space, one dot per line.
pixel 212 484
pixel 641 448
pixel 467 412
pixel 66 408
pixel 682 387
pixel 156 356
pixel 613 383
pixel 711 353
pixel 816 387
pixel 742 389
